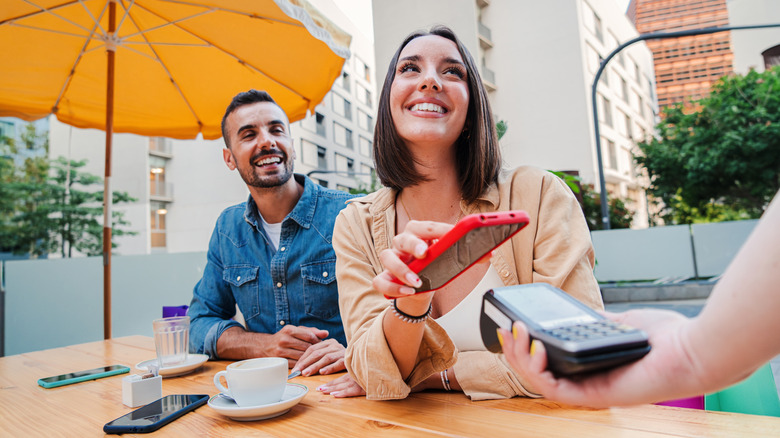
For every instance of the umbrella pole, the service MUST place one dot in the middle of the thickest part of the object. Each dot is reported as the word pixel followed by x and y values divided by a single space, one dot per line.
pixel 110 51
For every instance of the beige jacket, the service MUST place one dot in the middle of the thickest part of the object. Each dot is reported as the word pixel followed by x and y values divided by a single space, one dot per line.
pixel 554 248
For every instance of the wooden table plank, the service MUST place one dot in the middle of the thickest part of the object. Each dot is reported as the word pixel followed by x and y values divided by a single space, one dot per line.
pixel 82 409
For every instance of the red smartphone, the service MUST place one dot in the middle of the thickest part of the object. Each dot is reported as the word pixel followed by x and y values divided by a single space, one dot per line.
pixel 472 238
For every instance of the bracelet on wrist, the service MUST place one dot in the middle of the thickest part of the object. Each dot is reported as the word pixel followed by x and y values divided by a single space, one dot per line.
pixel 445 381
pixel 405 317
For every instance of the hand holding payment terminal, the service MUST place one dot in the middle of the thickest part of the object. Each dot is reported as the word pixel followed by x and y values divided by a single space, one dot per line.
pixel 577 339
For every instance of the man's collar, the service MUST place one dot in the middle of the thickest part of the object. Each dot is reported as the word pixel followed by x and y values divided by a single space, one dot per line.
pixel 302 213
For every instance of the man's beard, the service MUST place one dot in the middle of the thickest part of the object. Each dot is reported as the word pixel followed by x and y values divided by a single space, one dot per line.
pixel 252 179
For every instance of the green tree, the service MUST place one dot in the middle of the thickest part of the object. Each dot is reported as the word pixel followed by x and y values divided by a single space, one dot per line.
pixel 23 174
pixel 620 216
pixel 47 206
pixel 74 212
pixel 721 161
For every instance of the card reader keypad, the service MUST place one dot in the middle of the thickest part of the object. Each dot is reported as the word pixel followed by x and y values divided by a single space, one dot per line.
pixel 591 330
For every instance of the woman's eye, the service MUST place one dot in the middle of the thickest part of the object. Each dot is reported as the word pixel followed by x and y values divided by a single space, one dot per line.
pixel 456 71
pixel 408 67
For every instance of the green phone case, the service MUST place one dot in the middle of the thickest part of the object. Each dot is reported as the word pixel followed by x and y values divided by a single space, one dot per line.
pixel 84 378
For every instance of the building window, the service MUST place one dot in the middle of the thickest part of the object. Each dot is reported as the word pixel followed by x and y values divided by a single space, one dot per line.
pixel 342 107
pixel 365 121
pixel 612 151
pixel 345 165
pixel 158 188
pixel 160 144
pixel 157 221
pixel 322 160
pixel 342 136
pixel 606 112
pixel 597 30
pixel 594 59
pixel 320 124
pixel 624 89
pixel 363 95
pixel 628 125
pixel 771 56
pixel 365 147
pixel 345 81
pixel 363 70
pixel 367 173
pixel 309 153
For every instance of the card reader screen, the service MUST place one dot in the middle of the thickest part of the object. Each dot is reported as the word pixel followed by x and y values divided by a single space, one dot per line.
pixel 544 307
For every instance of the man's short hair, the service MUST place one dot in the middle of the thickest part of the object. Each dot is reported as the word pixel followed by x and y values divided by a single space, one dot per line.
pixel 239 100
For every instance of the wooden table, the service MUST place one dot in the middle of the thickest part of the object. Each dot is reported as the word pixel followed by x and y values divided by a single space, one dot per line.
pixel 81 409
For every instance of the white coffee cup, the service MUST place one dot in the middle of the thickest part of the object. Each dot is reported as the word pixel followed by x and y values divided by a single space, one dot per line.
pixel 254 382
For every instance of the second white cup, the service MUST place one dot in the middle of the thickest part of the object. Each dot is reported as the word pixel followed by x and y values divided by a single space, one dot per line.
pixel 254 382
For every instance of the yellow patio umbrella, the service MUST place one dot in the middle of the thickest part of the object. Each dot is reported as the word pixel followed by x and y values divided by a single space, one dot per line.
pixel 160 67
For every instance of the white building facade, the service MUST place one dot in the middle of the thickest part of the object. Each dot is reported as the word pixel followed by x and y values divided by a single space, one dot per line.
pixel 538 61
pixel 181 186
pixel 751 47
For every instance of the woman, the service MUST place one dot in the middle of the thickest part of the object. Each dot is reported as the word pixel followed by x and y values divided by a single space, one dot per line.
pixel 438 157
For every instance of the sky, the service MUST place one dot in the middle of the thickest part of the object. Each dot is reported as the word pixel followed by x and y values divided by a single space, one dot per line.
pixel 359 12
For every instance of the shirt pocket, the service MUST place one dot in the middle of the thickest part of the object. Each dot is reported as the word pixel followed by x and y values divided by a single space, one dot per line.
pixel 320 295
pixel 243 280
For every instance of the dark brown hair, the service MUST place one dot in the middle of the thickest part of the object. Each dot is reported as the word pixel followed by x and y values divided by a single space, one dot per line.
pixel 478 157
pixel 239 100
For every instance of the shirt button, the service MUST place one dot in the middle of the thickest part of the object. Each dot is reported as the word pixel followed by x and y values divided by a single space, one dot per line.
pixel 505 273
pixel 281 322
pixel 238 278
pixel 279 284
pixel 325 274
pixel 282 249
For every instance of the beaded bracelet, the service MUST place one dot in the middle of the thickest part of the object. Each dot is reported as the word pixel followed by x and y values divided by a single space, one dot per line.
pixel 405 317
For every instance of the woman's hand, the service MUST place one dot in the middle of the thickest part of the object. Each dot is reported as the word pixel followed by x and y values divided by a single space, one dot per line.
pixel 344 386
pixel 666 373
pixel 412 243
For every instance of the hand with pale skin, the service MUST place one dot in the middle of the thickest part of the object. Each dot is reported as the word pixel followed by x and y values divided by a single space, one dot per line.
pixel 631 384
pixel 345 386
pixel 326 357
pixel 413 242
pixel 734 335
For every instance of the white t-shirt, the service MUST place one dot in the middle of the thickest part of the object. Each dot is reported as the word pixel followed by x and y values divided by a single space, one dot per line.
pixel 274 231
pixel 462 322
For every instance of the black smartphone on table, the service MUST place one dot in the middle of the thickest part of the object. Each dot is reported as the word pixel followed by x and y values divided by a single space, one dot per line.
pixel 577 338
pixel 82 376
pixel 156 414
pixel 472 238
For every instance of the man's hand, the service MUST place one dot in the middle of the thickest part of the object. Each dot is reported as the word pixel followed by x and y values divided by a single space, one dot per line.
pixel 325 358
pixel 291 342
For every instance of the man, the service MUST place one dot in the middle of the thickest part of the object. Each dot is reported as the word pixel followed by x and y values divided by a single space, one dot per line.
pixel 272 255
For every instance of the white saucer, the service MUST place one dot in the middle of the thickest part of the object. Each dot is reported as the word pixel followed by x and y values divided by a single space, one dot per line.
pixel 193 361
pixel 293 393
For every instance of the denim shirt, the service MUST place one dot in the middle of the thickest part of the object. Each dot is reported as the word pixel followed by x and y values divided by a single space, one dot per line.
pixel 295 284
